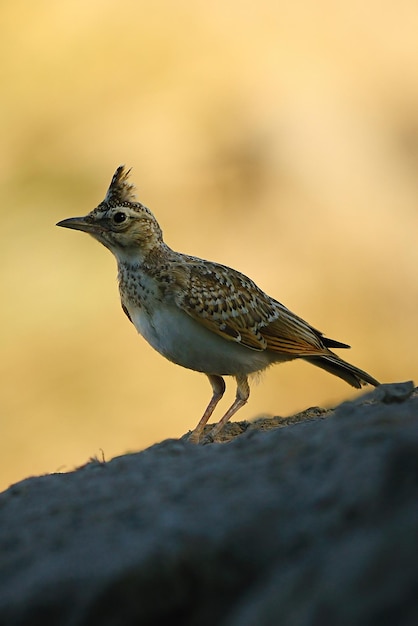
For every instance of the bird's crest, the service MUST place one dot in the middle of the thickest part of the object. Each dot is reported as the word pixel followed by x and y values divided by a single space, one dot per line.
pixel 120 189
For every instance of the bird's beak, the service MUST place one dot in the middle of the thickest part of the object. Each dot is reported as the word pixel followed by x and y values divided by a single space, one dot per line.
pixel 79 223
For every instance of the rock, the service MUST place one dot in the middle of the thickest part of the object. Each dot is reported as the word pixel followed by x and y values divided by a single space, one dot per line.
pixel 312 523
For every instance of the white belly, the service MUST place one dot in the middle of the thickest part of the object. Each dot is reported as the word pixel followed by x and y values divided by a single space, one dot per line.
pixel 181 339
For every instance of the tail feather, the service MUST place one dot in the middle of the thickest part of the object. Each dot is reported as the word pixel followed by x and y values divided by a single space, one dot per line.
pixel 332 343
pixel 351 374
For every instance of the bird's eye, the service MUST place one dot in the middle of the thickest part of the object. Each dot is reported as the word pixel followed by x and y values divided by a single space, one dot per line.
pixel 119 217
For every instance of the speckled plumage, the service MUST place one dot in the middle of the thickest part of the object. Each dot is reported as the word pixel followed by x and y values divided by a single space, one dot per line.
pixel 199 314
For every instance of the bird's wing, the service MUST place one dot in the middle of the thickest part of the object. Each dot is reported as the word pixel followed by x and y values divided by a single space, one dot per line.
pixel 292 335
pixel 231 305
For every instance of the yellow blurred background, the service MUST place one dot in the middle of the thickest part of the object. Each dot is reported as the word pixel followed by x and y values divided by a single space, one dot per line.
pixel 280 138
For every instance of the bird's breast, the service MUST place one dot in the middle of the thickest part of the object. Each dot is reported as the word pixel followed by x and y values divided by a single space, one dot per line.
pixel 183 340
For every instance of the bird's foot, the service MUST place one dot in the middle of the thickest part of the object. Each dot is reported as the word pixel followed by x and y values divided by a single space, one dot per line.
pixel 209 438
pixel 193 437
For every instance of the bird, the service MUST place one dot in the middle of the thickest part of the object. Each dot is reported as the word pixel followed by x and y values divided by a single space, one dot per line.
pixel 200 314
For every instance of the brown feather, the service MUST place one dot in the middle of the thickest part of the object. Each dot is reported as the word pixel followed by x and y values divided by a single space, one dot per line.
pixel 231 305
pixel 120 189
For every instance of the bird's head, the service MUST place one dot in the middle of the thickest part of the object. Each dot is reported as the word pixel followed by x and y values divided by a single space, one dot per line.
pixel 120 223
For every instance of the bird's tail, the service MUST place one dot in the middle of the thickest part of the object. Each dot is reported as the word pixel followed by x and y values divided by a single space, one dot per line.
pixel 351 374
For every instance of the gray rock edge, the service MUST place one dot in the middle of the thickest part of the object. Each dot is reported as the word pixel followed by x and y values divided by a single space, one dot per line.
pixel 310 520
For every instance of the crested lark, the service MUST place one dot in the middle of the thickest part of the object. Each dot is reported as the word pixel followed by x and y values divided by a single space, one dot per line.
pixel 201 315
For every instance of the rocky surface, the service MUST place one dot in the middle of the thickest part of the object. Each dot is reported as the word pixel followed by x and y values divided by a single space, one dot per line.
pixel 312 523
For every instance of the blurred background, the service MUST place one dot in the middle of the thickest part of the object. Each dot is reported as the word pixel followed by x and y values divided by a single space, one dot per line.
pixel 280 138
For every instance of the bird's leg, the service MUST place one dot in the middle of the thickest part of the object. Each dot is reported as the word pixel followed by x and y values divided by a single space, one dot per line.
pixel 218 386
pixel 243 393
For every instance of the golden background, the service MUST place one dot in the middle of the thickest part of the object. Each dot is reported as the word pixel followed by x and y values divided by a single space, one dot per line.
pixel 280 138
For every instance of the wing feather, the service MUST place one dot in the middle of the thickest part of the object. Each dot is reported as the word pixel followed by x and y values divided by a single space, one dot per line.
pixel 231 305
pixel 224 301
